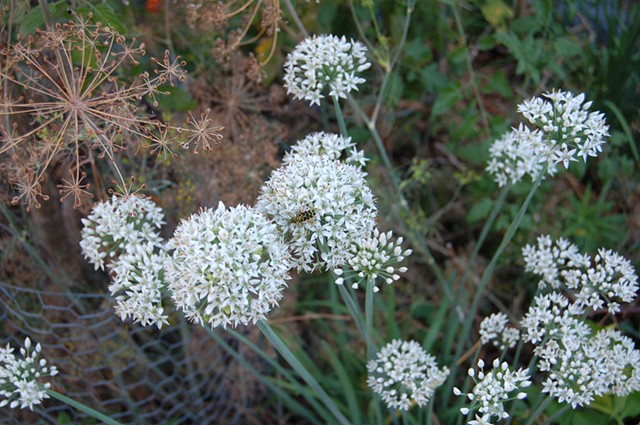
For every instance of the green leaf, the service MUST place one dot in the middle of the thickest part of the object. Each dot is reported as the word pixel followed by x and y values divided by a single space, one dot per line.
pixel 446 99
pixel 567 47
pixel 35 18
pixel 479 211
pixel 496 12
pixel 104 13
pixel 178 100
pixel 498 83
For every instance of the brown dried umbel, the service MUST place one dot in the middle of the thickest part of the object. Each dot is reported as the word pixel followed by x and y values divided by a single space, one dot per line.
pixel 237 19
pixel 65 102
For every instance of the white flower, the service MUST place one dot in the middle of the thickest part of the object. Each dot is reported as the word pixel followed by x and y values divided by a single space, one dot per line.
pixel 324 61
pixel 492 390
pixel 373 258
pixel 517 154
pixel 608 279
pixel 329 144
pixel 116 223
pixel 228 266
pixel 566 131
pixel 322 206
pixel 20 376
pixel 570 130
pixel 403 374
pixel 606 363
pixel 494 329
pixel 123 234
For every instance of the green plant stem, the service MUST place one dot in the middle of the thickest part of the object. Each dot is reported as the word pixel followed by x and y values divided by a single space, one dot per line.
pixel 368 313
pixel 282 348
pixel 394 61
pixel 83 408
pixel 341 124
pixel 554 418
pixel 296 18
pixel 484 280
pixel 353 308
pixel 538 411
pixel 472 76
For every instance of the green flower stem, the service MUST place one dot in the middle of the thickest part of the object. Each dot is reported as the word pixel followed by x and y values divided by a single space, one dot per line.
pixel 341 124
pixel 484 280
pixel 267 380
pixel 83 408
pixel 296 18
pixel 368 312
pixel 472 76
pixel 282 348
pixel 394 60
pixel 553 419
pixel 354 309
pixel 538 411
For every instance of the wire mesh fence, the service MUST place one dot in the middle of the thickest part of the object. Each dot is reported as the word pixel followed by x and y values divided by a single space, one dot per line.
pixel 176 375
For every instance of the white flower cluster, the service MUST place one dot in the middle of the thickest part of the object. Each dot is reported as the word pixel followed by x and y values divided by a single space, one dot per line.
pixel 605 280
pixel 494 329
pixel 404 374
pixel 580 366
pixel 322 206
pixel 492 390
pixel 20 375
pixel 329 144
pixel 566 131
pixel 516 154
pixel 123 233
pixel 228 266
pixel 372 258
pixel 321 61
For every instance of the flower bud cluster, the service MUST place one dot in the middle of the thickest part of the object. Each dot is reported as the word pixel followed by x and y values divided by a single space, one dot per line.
pixel 375 257
pixel 492 390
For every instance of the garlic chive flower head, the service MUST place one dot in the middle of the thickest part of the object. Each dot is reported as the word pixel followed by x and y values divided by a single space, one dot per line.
pixel 566 131
pixel 604 364
pixel 329 144
pixel 403 374
pixel 517 154
pixel 570 130
pixel 21 376
pixel 228 266
pixel 324 62
pixel 494 329
pixel 603 281
pixel 322 206
pixel 375 257
pixel 117 223
pixel 492 390
pixel 123 234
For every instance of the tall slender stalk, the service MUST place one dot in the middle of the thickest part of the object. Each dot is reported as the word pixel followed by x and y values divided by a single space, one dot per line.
pixel 484 280
pixel 293 361
pixel 83 408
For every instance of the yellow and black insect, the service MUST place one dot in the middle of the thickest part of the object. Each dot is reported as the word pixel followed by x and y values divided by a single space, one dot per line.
pixel 303 216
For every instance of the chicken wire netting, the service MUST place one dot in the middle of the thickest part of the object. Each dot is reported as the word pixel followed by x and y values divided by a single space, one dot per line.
pixel 136 375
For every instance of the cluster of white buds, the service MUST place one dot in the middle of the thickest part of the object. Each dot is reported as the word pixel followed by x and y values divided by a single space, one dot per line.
pixel 492 390
pixel 375 257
